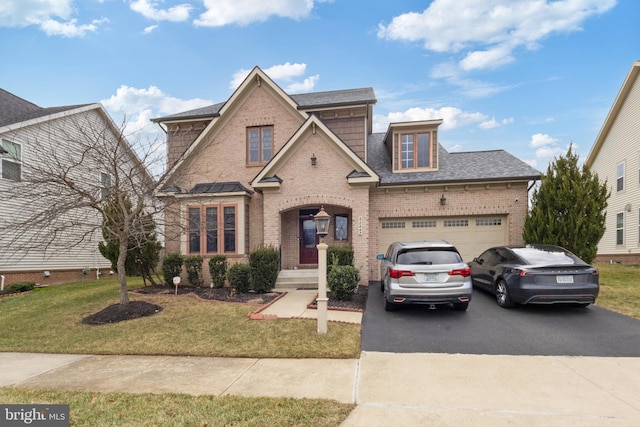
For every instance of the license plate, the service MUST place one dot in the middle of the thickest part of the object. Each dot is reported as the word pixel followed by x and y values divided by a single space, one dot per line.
pixel 431 277
pixel 564 279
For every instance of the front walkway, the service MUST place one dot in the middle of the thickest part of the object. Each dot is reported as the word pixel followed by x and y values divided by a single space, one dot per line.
pixel 294 305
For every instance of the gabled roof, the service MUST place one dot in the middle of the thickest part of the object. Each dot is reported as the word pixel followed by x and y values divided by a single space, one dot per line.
pixel 267 177
pixel 14 109
pixel 631 78
pixel 304 101
pixel 469 166
pixel 225 111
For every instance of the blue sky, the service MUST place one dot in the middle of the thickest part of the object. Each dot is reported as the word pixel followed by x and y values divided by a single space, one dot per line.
pixel 527 76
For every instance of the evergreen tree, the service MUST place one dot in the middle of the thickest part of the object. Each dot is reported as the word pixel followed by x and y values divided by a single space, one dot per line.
pixel 143 249
pixel 568 209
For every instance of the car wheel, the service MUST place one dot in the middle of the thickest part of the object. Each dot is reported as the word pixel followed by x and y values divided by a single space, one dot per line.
pixel 460 306
pixel 381 285
pixel 583 304
pixel 388 305
pixel 502 295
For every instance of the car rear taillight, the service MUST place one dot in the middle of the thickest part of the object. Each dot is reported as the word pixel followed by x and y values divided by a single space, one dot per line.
pixel 521 273
pixel 464 272
pixel 396 274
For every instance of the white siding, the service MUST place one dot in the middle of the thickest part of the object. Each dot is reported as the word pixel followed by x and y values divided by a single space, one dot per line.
pixel 622 144
pixel 42 142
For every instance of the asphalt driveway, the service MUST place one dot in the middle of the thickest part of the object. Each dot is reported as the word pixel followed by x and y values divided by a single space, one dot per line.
pixel 485 328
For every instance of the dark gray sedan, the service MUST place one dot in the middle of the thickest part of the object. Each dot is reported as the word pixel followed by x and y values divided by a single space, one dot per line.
pixel 535 274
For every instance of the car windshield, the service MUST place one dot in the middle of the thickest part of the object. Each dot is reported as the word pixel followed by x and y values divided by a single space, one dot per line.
pixel 428 256
pixel 547 256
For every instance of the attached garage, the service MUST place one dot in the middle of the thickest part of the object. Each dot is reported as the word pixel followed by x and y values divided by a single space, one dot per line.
pixel 471 235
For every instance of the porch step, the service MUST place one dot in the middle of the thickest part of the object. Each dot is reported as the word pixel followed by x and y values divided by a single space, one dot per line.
pixel 298 279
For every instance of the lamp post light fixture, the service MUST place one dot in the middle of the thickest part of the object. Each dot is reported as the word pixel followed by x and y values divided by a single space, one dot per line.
pixel 322 220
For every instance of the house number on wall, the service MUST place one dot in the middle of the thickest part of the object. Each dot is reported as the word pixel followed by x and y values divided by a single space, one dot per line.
pixel 359 226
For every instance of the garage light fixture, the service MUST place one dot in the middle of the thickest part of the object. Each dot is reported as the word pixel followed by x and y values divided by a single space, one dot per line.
pixel 443 200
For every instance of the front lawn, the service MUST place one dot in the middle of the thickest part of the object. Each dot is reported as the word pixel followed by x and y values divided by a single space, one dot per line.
pixel 140 410
pixel 49 320
pixel 620 288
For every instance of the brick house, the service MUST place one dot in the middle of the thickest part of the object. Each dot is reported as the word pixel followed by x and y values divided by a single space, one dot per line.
pixel 254 170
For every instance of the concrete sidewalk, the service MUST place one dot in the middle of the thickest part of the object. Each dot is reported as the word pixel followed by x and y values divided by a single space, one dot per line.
pixel 389 388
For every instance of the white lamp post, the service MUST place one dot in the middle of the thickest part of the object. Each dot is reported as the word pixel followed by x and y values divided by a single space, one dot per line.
pixel 322 220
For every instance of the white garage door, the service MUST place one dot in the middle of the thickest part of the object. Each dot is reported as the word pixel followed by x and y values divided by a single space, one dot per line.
pixel 471 235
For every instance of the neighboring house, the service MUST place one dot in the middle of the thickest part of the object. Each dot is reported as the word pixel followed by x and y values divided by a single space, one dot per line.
pixel 615 157
pixel 34 138
pixel 254 170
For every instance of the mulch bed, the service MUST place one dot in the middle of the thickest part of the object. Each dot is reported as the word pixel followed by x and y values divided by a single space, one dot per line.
pixel 137 309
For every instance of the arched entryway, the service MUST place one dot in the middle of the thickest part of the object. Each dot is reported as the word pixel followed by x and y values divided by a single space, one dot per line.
pixel 298 234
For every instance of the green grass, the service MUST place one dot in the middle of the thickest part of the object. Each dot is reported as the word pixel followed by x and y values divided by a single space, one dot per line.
pixel 620 288
pixel 140 410
pixel 49 320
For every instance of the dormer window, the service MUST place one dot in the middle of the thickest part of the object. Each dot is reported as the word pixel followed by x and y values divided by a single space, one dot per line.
pixel 416 150
pixel 413 146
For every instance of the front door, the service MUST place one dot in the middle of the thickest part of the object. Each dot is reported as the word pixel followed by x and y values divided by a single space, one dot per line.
pixel 308 241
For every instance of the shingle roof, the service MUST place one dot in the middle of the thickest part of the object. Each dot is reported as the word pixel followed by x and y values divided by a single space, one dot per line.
pixel 335 98
pixel 220 187
pixel 305 101
pixel 14 109
pixel 493 165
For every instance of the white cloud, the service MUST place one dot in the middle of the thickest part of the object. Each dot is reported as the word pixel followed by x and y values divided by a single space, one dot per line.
pixel 69 28
pixel 137 106
pixel 493 123
pixel 243 12
pixel 487 33
pixel 306 85
pixel 149 9
pixel 285 72
pixel 52 16
pixel 452 117
pixel 149 29
pixel 541 140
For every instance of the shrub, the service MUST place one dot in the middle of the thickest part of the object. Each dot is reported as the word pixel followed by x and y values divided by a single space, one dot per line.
pixel 343 281
pixel 193 265
pixel 14 288
pixel 171 267
pixel 265 263
pixel 238 275
pixel 218 270
pixel 339 255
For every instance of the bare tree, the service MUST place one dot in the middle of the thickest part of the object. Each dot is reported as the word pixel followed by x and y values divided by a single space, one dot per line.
pixel 71 168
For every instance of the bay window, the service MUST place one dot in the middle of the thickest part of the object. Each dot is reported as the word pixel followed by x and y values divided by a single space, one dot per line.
pixel 212 229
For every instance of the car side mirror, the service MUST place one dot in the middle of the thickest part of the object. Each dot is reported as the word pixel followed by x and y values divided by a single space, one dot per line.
pixel 380 257
pixel 478 261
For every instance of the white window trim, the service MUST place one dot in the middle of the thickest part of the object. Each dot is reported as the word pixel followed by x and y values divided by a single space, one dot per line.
pixel 18 161
pixel 618 176
pixel 620 228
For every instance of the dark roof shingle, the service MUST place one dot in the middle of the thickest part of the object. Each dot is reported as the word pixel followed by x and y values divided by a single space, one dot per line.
pixel 14 109
pixel 469 166
pixel 305 101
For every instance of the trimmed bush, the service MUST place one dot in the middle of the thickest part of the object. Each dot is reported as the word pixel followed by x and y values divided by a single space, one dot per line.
pixel 171 267
pixel 339 255
pixel 343 281
pixel 265 263
pixel 218 270
pixel 238 275
pixel 17 287
pixel 193 265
